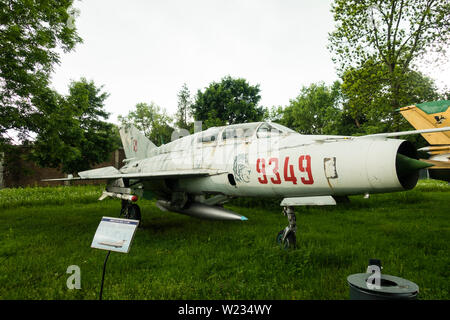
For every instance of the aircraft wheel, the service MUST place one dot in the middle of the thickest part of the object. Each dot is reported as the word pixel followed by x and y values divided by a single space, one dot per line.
pixel 290 241
pixel 133 212
pixel 280 237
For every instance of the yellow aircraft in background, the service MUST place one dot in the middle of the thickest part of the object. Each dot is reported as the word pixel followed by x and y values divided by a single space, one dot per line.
pixel 429 115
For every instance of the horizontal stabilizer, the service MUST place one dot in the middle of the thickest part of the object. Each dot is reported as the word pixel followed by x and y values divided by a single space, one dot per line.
pixel 96 173
pixel 308 201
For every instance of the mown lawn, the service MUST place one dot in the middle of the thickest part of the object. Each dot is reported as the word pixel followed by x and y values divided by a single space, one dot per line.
pixel 43 231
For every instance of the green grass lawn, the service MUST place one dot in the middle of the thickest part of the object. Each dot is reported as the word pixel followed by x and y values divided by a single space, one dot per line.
pixel 45 230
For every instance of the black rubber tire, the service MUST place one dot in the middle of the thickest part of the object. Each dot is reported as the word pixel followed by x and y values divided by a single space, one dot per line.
pixel 280 237
pixel 291 241
pixel 133 212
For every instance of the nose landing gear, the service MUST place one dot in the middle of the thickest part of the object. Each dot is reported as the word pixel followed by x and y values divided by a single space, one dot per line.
pixel 130 210
pixel 286 238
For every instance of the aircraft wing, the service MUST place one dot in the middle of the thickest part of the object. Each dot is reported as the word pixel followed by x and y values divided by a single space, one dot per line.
pixel 404 133
pixel 108 173
pixel 322 139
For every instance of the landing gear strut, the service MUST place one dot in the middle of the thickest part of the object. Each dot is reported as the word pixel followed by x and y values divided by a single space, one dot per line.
pixel 286 237
pixel 130 210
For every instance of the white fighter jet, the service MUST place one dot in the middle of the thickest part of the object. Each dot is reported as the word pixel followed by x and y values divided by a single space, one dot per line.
pixel 197 173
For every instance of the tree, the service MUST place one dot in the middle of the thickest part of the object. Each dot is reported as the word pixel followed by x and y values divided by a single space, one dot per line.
pixel 72 132
pixel 368 98
pixel 151 120
pixel 316 110
pixel 274 113
pixel 184 104
pixel 31 33
pixel 227 102
pixel 395 33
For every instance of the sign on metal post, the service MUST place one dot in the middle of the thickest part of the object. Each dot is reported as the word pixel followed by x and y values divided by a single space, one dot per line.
pixel 115 234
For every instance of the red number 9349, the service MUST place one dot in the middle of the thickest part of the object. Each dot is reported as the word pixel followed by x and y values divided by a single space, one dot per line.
pixel 304 165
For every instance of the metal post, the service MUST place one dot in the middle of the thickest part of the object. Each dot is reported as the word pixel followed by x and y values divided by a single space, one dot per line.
pixel 103 275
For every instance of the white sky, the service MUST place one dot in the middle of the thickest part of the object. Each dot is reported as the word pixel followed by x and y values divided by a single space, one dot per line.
pixel 144 50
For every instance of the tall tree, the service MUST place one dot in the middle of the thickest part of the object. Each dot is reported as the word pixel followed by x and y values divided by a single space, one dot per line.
pixel 151 120
pixel 274 113
pixel 227 102
pixel 73 133
pixel 316 110
pixel 395 33
pixel 184 104
pixel 368 102
pixel 31 34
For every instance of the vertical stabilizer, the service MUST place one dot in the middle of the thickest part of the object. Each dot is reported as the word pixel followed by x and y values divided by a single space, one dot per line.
pixel 429 115
pixel 135 144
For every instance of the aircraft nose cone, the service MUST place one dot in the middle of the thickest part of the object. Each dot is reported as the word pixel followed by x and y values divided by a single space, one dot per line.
pixel 405 165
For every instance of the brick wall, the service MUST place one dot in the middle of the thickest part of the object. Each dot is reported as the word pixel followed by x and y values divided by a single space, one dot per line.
pixel 26 173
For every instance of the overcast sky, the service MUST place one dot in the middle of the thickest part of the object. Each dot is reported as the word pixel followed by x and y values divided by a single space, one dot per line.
pixel 144 50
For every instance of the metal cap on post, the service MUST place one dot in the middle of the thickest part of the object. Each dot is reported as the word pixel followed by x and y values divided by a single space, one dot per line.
pixel 373 285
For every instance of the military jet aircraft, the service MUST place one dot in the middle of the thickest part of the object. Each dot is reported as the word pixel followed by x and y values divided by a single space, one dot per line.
pixel 197 173
pixel 433 114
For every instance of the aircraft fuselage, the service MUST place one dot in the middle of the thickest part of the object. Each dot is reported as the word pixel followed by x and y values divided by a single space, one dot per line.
pixel 285 164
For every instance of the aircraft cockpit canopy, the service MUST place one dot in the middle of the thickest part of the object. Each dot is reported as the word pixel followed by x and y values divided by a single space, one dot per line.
pixel 267 130
pixel 283 129
pixel 209 135
pixel 239 131
pixel 244 131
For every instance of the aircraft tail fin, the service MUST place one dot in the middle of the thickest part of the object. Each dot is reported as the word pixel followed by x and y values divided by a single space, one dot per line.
pixel 135 144
pixel 429 115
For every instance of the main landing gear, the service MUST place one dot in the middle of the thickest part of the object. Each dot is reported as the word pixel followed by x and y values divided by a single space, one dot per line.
pixel 286 238
pixel 130 210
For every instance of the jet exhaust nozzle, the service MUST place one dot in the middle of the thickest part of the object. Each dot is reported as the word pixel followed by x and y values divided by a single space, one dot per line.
pixel 203 211
pixel 407 165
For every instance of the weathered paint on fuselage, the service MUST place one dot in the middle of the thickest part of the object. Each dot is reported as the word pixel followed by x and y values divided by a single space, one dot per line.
pixel 285 165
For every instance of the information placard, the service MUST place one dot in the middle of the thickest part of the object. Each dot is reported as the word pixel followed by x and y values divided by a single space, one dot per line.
pixel 115 234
